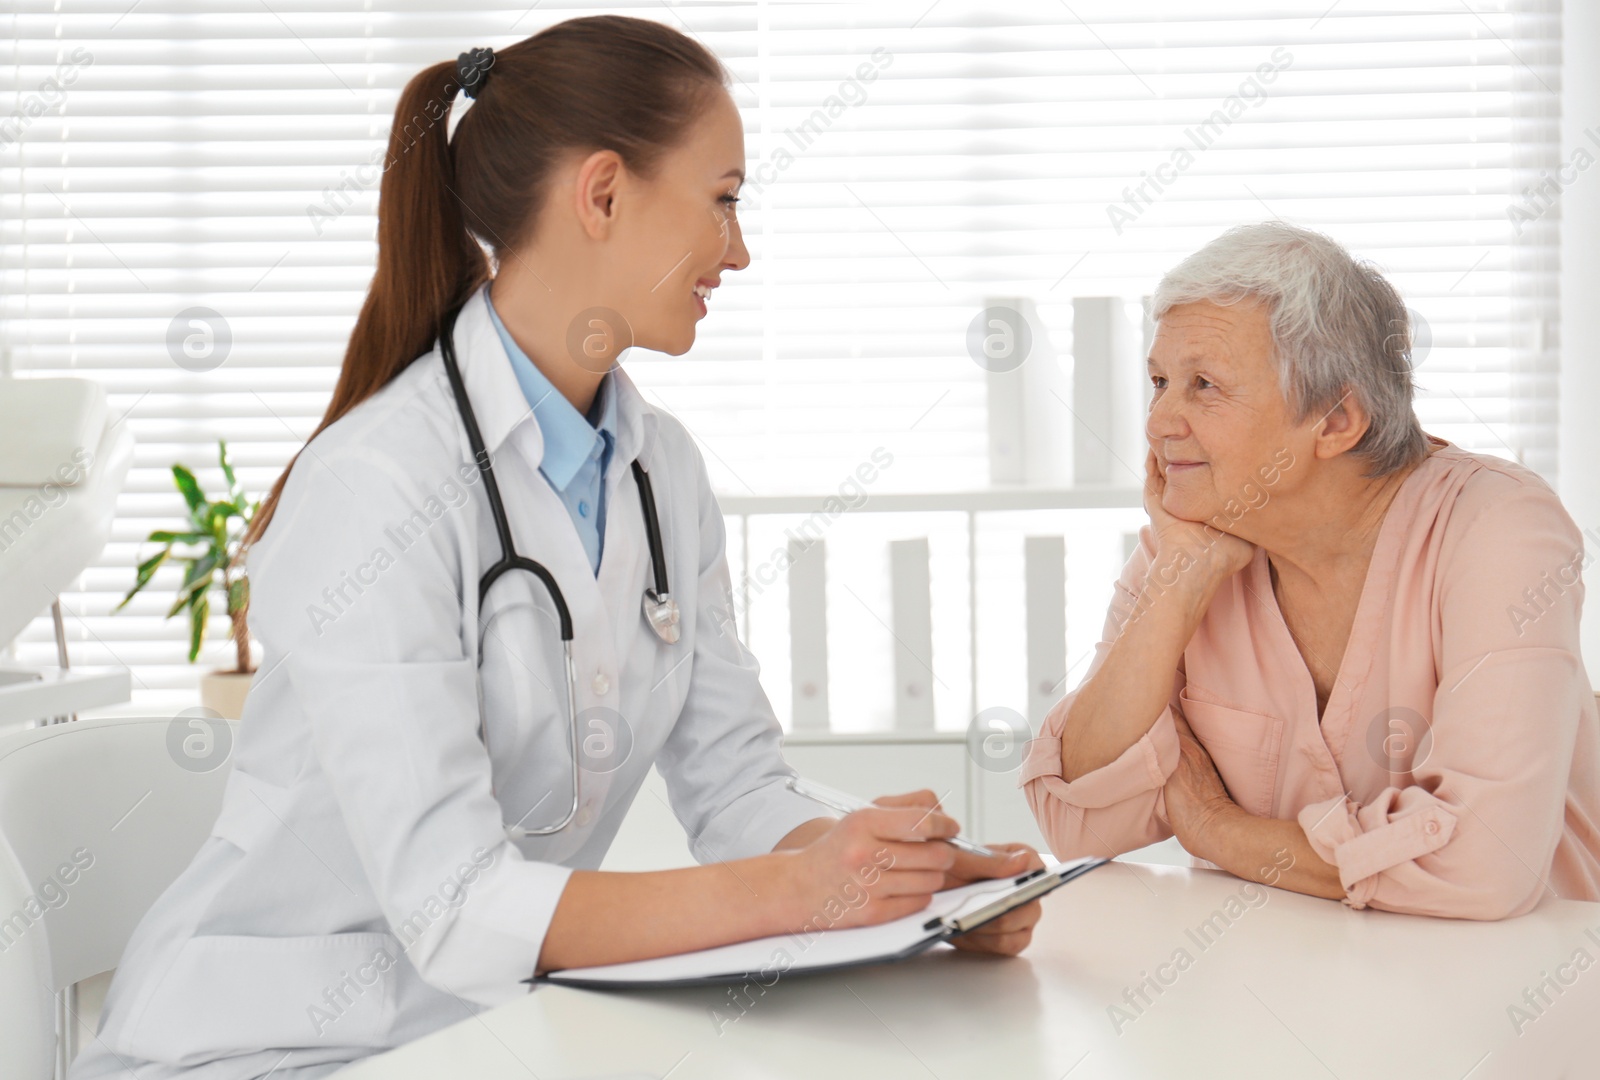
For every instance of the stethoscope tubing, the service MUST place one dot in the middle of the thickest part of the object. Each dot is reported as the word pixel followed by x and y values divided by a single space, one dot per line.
pixel 511 560
pixel 660 609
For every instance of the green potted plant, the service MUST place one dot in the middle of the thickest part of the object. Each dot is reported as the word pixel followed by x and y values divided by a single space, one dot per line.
pixel 210 549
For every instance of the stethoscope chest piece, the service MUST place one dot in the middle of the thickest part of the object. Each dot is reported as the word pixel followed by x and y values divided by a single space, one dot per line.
pixel 661 612
pixel 660 609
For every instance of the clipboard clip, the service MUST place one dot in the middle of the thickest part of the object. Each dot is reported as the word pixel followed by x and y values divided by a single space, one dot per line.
pixel 963 923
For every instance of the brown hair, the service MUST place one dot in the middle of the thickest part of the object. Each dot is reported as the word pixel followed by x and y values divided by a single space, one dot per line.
pixel 601 82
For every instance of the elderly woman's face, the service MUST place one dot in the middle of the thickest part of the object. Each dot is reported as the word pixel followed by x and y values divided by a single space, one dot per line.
pixel 1218 420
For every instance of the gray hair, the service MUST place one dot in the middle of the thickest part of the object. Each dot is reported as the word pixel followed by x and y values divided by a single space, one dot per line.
pixel 1338 327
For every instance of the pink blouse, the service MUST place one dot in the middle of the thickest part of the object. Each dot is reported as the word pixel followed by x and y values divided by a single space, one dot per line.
pixel 1456 769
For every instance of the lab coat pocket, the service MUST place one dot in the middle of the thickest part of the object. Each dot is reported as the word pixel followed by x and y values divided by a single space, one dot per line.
pixel 1244 745
pixel 226 993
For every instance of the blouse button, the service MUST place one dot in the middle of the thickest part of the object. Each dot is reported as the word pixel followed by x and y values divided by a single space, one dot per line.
pixel 1431 827
pixel 583 509
pixel 601 684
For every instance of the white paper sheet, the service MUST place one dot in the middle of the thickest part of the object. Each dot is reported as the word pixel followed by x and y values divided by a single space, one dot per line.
pixel 768 957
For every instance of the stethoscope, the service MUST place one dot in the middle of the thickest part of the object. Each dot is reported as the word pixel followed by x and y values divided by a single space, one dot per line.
pixel 660 609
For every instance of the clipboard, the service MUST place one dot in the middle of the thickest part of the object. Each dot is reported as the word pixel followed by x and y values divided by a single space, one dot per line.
pixel 950 914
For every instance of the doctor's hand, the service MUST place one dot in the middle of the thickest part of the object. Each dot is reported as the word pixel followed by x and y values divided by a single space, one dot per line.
pixel 1010 933
pixel 879 863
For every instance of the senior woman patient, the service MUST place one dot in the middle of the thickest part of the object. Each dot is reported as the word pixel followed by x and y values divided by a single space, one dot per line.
pixel 1344 658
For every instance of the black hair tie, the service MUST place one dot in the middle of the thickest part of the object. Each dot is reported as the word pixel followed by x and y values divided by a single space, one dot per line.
pixel 472 70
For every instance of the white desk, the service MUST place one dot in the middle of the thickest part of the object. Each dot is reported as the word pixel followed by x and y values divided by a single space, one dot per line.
pixel 1294 987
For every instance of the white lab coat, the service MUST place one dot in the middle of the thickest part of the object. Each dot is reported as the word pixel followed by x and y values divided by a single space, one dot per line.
pixel 358 890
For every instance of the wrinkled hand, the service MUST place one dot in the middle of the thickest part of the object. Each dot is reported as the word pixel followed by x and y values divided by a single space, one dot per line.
pixel 1010 933
pixel 1195 794
pixel 1222 553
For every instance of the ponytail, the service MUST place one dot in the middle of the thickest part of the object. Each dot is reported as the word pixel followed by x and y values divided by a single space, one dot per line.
pixel 602 82
pixel 427 261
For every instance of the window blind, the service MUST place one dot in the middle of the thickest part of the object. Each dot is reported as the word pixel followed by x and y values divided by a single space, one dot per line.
pixel 907 161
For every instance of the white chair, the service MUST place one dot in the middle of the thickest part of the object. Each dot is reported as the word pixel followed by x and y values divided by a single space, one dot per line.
pixel 63 460
pixel 133 798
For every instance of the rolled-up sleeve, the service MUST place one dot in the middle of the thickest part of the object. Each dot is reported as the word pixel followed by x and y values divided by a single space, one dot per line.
pixel 370 636
pixel 1473 836
pixel 723 763
pixel 1118 807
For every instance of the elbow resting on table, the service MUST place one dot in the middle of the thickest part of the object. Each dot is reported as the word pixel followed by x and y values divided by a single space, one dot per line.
pixel 1108 810
pixel 1489 894
pixel 1432 857
pixel 1073 831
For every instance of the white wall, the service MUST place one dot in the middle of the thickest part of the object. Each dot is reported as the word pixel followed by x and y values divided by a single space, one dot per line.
pixel 1580 290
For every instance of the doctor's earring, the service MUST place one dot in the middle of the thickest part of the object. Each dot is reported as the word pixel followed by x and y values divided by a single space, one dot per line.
pixel 597 337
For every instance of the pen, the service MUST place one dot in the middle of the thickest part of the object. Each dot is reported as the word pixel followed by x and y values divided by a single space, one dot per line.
pixel 848 804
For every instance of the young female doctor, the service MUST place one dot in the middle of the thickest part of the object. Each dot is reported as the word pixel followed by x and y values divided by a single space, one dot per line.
pixel 476 531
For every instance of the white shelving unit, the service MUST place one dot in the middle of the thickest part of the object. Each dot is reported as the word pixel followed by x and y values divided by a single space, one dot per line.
pixel 28 695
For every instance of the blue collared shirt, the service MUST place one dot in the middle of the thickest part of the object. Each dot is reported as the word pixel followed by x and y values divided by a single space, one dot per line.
pixel 577 449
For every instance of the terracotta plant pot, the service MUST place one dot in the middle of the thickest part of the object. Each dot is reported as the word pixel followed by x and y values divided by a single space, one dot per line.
pixel 225 692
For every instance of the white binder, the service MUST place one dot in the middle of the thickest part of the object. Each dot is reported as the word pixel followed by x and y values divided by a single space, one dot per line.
pixel 950 914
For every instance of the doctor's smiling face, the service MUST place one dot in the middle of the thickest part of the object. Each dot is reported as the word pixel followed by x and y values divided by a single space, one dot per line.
pixel 648 244
pixel 676 232
pixel 590 178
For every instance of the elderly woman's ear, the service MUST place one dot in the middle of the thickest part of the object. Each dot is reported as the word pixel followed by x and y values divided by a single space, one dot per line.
pixel 1342 427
